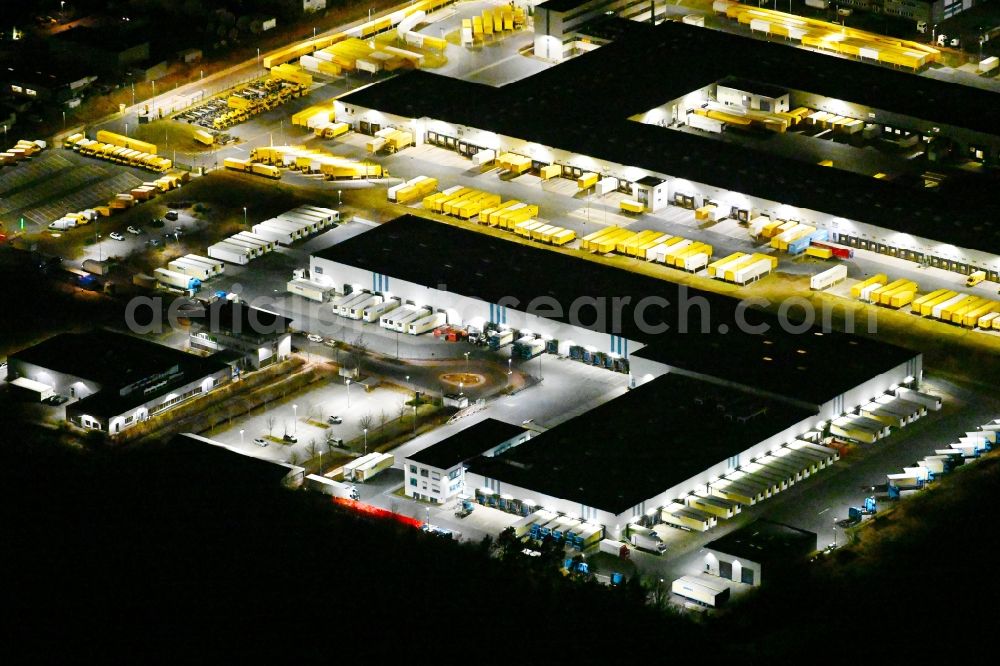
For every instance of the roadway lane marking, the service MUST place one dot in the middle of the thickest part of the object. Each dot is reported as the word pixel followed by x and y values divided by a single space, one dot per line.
pixel 823 511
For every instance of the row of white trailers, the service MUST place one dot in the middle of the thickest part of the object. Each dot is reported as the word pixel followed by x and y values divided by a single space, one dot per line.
pixel 367 466
pixel 875 420
pixel 749 484
pixel 390 313
pixel 188 272
pixel 968 447
pixel 285 229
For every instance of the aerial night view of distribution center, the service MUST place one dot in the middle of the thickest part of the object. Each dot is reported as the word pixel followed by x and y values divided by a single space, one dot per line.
pixel 521 331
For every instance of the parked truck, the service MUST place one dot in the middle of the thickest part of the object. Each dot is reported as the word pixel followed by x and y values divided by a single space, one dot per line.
pixel 644 538
pixel 265 170
pixel 500 338
pixel 173 279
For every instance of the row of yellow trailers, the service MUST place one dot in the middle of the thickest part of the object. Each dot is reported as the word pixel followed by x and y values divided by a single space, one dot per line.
pixel 22 151
pixel 463 202
pixel 773 121
pixel 364 31
pixel 942 304
pixel 958 308
pixel 649 245
pixel 144 192
pixel 118 154
pixel 832 37
pixel 741 268
pixel 493 21
pixel 412 190
pixel 312 160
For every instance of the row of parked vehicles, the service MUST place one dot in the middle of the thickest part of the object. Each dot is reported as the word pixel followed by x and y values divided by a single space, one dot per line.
pixel 244 103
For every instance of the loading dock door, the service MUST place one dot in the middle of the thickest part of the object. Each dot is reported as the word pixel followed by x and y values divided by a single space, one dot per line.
pixel 726 570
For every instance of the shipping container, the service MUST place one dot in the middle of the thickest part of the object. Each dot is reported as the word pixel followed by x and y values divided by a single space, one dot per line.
pixel 425 324
pixel 343 305
pixel 175 280
pixel 314 291
pixel 191 268
pixel 357 310
pixel 702 590
pixel 375 312
pixel 828 278
pixel 230 253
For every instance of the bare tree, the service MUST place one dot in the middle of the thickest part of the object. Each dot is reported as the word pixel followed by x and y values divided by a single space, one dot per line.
pixel 313 448
pixel 383 418
pixel 270 424
pixel 366 421
pixel 402 411
pixel 312 411
pixel 359 347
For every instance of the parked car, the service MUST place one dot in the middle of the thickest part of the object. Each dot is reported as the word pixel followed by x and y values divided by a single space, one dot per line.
pixel 152 242
pixel 134 230
pixel 335 420
pixel 260 441
pixel 56 400
pixel 116 236
pixel 171 215
pixel 335 441
pixel 312 337
pixel 291 439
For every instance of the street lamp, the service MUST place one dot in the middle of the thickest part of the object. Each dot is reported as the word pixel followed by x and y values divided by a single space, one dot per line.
pixel 466 361
pixel 241 438
pixel 295 418
pixel 348 393
pixel 244 216
pixel 834 532
pixel 407 381
pixel 366 441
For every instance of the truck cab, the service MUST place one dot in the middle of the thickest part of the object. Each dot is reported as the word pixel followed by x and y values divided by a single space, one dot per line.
pixel 975 278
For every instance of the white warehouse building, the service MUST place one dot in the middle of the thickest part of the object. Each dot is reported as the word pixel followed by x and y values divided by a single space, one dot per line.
pixel 766 379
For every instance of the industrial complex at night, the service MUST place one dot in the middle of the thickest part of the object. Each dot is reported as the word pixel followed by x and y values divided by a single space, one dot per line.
pixel 673 321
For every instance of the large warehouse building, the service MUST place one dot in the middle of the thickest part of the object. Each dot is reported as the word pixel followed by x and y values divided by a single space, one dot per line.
pixel 114 380
pixel 744 394
pixel 615 113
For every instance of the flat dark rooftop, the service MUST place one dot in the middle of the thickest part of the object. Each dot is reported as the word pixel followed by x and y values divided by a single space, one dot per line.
pixel 562 5
pixel 766 541
pixel 755 87
pixel 109 358
pixel 497 270
pixel 467 444
pixel 636 446
pixel 242 319
pixel 557 107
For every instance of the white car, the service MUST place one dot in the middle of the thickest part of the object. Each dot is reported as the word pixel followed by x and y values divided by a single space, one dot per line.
pixel 260 441
pixel 312 337
pixel 134 230
pixel 116 236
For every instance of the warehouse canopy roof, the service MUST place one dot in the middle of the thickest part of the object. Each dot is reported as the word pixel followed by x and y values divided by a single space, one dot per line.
pixel 467 444
pixel 632 448
pixel 558 108
pixel 528 278
pixel 766 541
